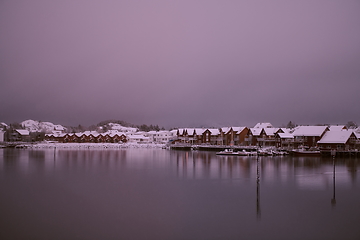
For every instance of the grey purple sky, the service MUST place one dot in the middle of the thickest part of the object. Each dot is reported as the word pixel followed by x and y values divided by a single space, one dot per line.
pixel 180 63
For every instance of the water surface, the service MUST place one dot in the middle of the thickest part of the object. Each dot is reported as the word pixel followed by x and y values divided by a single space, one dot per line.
pixel 163 194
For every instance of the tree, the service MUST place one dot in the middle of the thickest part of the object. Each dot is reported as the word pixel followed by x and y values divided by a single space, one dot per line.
pixel 351 125
pixel 290 125
pixel 16 125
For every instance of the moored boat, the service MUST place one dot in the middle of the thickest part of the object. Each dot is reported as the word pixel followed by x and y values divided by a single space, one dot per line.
pixel 227 152
pixel 304 152
pixel 231 152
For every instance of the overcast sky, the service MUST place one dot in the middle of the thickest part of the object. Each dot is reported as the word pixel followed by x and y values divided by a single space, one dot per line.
pixel 180 63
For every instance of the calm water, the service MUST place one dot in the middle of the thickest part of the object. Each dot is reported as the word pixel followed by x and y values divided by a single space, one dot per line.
pixel 163 194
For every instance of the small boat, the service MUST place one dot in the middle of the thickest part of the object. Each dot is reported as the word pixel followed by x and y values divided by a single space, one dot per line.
pixel 227 152
pixel 230 152
pixel 304 152
pixel 265 152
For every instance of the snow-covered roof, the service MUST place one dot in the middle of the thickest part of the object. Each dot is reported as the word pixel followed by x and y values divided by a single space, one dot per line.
pixel 199 131
pixel 309 130
pixel 357 134
pixel 112 134
pixel 263 125
pixel 55 134
pixel 285 135
pixel 235 129
pixel 256 131
pixel 336 137
pixel 192 131
pixel 238 129
pixel 225 129
pixel 22 132
pixel 337 127
pixel 88 133
pixel 286 130
pixel 214 131
pixel 271 131
pixel 181 131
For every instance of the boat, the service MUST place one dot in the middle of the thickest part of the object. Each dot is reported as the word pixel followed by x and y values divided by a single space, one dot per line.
pixel 265 152
pixel 231 152
pixel 227 152
pixel 305 152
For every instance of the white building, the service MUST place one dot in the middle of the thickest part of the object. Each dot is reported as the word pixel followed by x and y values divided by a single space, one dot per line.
pixel 2 136
pixel 138 138
pixel 160 136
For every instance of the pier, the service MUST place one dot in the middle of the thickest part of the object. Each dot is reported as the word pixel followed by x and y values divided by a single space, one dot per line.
pixel 206 147
pixel 14 144
pixel 340 153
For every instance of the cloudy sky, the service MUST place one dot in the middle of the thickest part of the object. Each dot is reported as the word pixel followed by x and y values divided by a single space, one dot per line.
pixel 180 63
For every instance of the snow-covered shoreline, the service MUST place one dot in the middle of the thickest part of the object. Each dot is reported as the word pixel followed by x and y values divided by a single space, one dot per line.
pixel 93 145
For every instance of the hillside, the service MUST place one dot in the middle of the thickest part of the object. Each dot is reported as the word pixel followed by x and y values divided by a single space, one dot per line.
pixel 36 126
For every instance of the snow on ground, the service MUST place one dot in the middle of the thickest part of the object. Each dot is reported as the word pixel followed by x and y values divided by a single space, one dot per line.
pixel 93 145
pixel 36 126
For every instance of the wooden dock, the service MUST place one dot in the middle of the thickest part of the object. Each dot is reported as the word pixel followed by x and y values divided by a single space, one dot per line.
pixel 340 153
pixel 211 147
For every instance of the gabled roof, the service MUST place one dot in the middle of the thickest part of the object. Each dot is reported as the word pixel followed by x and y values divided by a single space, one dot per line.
pixel 199 131
pixel 285 135
pixel 336 137
pixel 256 131
pixel 226 130
pixel 357 134
pixel 337 127
pixel 271 131
pixel 310 131
pixel 190 131
pixel 181 131
pixel 22 132
pixel 238 129
pixel 213 131
pixel 88 133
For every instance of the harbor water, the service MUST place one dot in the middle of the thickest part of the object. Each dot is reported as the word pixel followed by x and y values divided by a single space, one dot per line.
pixel 171 194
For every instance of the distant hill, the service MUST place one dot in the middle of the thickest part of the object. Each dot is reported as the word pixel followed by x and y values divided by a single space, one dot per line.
pixel 119 125
pixel 36 126
pixel 125 126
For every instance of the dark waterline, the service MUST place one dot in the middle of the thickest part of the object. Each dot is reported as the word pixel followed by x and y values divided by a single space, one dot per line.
pixel 163 194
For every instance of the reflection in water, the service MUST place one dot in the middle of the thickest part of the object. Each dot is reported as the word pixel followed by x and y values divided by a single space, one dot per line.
pixel 333 200
pixel 258 208
pixel 198 165
pixel 162 194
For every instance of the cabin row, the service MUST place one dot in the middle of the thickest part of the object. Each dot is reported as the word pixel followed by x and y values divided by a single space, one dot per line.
pixel 87 137
pixel 113 136
pixel 326 137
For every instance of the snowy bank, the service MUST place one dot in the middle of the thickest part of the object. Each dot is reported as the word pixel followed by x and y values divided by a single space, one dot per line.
pixel 93 145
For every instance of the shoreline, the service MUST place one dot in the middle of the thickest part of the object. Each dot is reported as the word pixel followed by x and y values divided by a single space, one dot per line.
pixel 90 145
